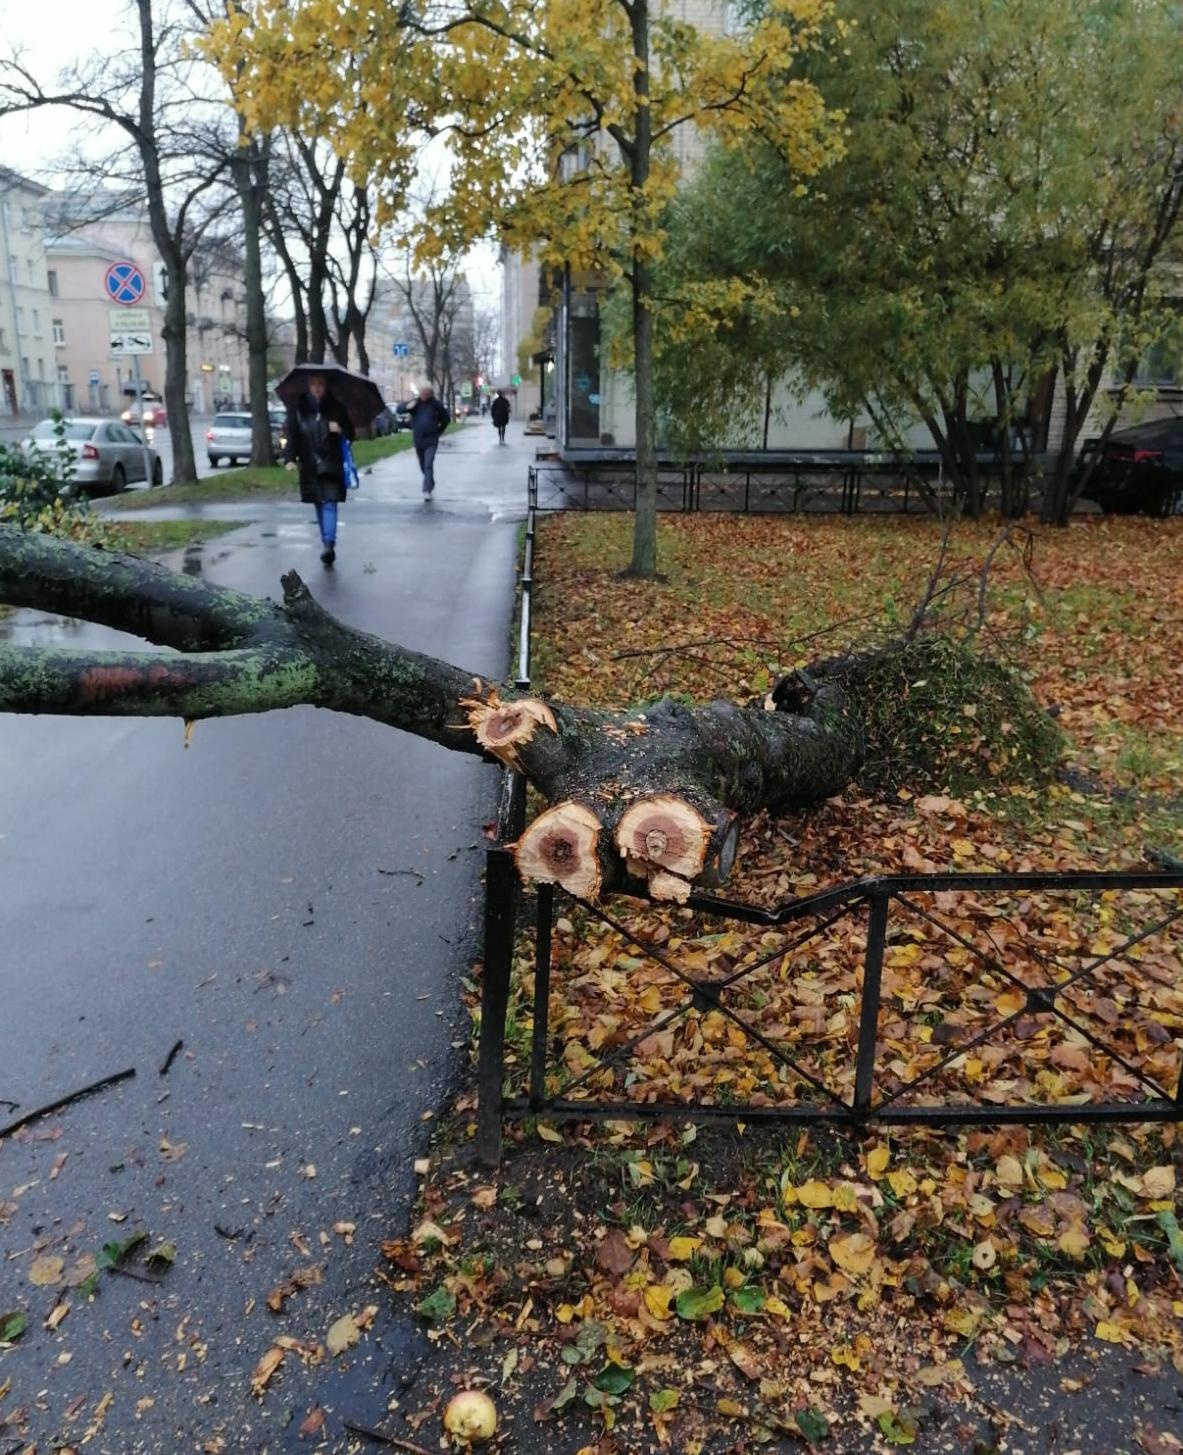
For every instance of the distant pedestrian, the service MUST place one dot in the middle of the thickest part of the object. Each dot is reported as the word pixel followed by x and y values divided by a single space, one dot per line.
pixel 316 425
pixel 429 419
pixel 500 414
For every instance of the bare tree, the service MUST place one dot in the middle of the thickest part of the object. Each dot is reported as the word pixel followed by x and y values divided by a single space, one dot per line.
pixel 153 95
pixel 353 275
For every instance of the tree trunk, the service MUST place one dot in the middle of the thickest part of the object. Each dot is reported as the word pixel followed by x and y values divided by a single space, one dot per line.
pixel 644 562
pixel 168 245
pixel 649 794
pixel 247 184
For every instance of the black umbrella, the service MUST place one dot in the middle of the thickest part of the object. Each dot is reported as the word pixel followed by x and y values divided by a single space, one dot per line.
pixel 360 397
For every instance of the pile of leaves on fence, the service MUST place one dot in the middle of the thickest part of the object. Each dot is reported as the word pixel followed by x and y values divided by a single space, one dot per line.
pixel 710 1289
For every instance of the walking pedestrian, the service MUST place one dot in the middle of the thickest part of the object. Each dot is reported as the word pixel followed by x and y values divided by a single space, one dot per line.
pixel 316 425
pixel 429 419
pixel 500 414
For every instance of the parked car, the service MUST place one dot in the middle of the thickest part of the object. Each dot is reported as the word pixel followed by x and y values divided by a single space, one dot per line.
pixel 229 436
pixel 402 415
pixel 105 454
pixel 1140 470
pixel 155 414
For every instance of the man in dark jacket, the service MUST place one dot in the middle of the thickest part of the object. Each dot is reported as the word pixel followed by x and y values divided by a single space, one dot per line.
pixel 500 414
pixel 315 428
pixel 429 419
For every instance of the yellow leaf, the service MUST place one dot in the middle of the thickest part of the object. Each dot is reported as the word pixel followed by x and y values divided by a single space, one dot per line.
pixel 844 1356
pixel 658 1298
pixel 877 1160
pixel 815 1195
pixel 933 1374
pixel 682 1248
pixel 1159 1181
pixel 1010 1002
pixel 902 1183
pixel 853 1254
pixel 731 1409
pixel 548 1134
pixel 45 1272
pixel 733 1278
pixel 777 1307
pixel 342 1335
pixel 1111 1333
pixel 565 1312
pixel 1009 1171
pixel 1074 1241
pixel 874 1405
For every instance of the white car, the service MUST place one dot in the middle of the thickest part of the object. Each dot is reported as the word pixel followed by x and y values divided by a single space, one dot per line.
pixel 229 436
pixel 104 453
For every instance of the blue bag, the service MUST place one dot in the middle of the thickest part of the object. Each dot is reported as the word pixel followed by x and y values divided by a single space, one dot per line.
pixel 352 479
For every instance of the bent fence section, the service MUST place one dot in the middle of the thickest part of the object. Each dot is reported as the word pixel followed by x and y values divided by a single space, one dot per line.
pixel 940 999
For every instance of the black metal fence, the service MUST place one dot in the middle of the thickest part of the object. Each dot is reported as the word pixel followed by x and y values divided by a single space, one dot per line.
pixel 846 482
pixel 1029 1005
pixel 1039 997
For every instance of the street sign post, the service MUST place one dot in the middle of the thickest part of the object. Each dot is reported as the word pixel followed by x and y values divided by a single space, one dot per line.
pixel 401 350
pixel 130 333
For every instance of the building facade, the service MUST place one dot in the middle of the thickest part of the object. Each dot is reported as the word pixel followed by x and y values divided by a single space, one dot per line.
pixel 29 376
pixel 77 259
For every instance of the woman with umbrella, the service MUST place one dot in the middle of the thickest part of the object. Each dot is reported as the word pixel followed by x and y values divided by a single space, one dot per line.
pixel 319 418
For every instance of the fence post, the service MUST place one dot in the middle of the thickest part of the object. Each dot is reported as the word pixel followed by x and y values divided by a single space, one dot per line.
pixel 868 1031
pixel 501 891
pixel 546 900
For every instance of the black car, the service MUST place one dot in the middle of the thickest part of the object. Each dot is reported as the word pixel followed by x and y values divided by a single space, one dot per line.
pixel 1140 470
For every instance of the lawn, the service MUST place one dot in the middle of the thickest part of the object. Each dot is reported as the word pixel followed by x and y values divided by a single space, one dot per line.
pixel 249 483
pixel 154 537
pixel 622 1287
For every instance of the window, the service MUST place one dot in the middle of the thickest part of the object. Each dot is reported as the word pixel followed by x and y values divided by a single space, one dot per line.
pixel 53 283
pixel 20 320
pixel 3 340
pixel 36 319
pixel 63 374
pixel 29 268
pixel 59 331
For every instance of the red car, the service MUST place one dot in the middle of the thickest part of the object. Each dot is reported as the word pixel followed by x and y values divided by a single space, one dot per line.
pixel 155 414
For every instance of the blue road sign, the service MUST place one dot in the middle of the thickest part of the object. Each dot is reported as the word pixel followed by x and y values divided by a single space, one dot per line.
pixel 401 350
pixel 125 284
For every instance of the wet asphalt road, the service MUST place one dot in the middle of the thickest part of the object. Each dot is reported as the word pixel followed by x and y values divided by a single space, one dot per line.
pixel 294 896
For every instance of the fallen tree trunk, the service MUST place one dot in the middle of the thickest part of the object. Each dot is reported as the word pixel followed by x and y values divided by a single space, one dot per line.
pixel 652 793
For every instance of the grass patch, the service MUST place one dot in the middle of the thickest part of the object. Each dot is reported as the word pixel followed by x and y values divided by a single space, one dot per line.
pixel 250 483
pixel 149 537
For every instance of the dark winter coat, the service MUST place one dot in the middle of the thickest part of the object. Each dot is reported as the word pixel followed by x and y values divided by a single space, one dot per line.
pixel 499 410
pixel 429 419
pixel 317 451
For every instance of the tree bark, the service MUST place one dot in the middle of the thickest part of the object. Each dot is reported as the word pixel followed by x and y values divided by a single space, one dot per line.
pixel 247 166
pixel 644 561
pixel 647 794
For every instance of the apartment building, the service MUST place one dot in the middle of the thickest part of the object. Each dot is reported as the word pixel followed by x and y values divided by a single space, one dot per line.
pixel 78 254
pixel 29 378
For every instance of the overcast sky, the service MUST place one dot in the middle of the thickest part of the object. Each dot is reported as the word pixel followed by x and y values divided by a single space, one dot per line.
pixel 56 33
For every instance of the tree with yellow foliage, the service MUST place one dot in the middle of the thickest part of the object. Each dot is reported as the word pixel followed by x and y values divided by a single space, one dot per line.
pixel 563 121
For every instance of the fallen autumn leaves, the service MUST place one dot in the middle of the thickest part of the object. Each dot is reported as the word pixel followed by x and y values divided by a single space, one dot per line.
pixel 707 1291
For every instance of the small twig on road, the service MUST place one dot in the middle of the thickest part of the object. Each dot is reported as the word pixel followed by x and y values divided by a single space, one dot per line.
pixel 392 872
pixel 131 1273
pixel 382 1438
pixel 228 1233
pixel 64 1101
pixel 11 1105
pixel 170 1058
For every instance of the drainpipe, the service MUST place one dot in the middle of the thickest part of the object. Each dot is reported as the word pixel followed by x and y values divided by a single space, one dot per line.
pixel 16 325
